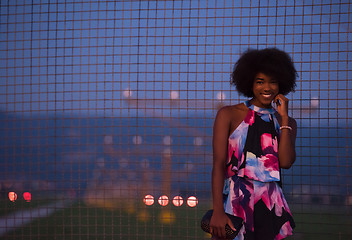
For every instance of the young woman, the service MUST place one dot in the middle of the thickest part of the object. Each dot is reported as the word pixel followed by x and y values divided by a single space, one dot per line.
pixel 251 142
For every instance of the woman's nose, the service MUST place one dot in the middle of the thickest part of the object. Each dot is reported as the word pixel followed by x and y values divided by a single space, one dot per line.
pixel 267 86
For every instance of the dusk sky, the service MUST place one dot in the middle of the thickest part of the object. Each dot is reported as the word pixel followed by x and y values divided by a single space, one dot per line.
pixel 88 56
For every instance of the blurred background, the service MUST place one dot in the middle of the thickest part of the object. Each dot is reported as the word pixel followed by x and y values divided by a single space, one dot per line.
pixel 107 107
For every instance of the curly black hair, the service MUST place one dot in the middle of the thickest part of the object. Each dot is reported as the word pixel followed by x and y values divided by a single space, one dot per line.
pixel 270 61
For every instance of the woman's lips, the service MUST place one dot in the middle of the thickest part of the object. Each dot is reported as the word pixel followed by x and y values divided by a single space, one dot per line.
pixel 267 95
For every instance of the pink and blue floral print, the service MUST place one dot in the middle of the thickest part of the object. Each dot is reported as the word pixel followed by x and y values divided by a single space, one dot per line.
pixel 252 189
pixel 253 146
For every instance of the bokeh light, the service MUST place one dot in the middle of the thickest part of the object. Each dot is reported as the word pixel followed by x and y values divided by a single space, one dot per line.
pixel 314 102
pixel 27 196
pixel 221 96
pixel 12 196
pixel 148 200
pixel 174 95
pixel 108 140
pixel 127 93
pixel 177 201
pixel 167 140
pixel 198 141
pixel 163 200
pixel 137 140
pixel 192 201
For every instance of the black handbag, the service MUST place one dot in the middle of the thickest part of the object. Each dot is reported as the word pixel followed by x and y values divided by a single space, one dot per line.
pixel 230 234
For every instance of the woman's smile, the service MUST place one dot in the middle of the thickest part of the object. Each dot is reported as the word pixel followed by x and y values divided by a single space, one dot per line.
pixel 265 88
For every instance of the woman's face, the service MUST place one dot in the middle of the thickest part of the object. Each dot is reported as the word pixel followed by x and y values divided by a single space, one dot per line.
pixel 265 89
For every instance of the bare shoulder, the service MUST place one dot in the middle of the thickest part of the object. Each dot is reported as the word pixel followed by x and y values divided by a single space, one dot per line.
pixel 231 111
pixel 232 115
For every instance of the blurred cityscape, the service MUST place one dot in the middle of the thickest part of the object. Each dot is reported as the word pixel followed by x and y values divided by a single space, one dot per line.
pixel 124 159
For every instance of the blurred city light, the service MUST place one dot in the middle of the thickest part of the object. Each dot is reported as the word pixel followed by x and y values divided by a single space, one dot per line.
pixel 148 200
pixel 137 140
pixel 127 93
pixel 27 196
pixel 198 141
pixel 220 96
pixel 167 140
pixel 177 201
pixel 12 196
pixel 163 200
pixel 174 95
pixel 192 201
pixel 314 102
pixel 108 139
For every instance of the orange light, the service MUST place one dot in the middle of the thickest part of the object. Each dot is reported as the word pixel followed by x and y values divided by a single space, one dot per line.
pixel 12 196
pixel 177 201
pixel 148 200
pixel 163 200
pixel 27 196
pixel 192 201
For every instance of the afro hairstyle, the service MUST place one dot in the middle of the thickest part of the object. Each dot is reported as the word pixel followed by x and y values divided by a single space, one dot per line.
pixel 270 61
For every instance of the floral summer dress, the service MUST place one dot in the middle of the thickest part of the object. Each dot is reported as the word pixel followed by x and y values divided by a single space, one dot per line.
pixel 252 186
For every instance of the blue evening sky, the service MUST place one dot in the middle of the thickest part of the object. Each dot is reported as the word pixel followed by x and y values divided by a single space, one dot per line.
pixel 81 57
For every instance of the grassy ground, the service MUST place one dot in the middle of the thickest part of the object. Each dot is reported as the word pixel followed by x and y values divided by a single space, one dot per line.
pixel 141 222
pixel 323 222
pixel 7 207
pixel 126 222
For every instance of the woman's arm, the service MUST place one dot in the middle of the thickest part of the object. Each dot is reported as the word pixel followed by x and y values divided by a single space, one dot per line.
pixel 220 143
pixel 287 152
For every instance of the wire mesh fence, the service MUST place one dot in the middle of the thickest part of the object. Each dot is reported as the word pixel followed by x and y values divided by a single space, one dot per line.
pixel 107 107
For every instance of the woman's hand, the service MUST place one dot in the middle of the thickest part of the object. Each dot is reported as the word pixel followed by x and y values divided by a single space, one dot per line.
pixel 218 223
pixel 287 152
pixel 281 105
